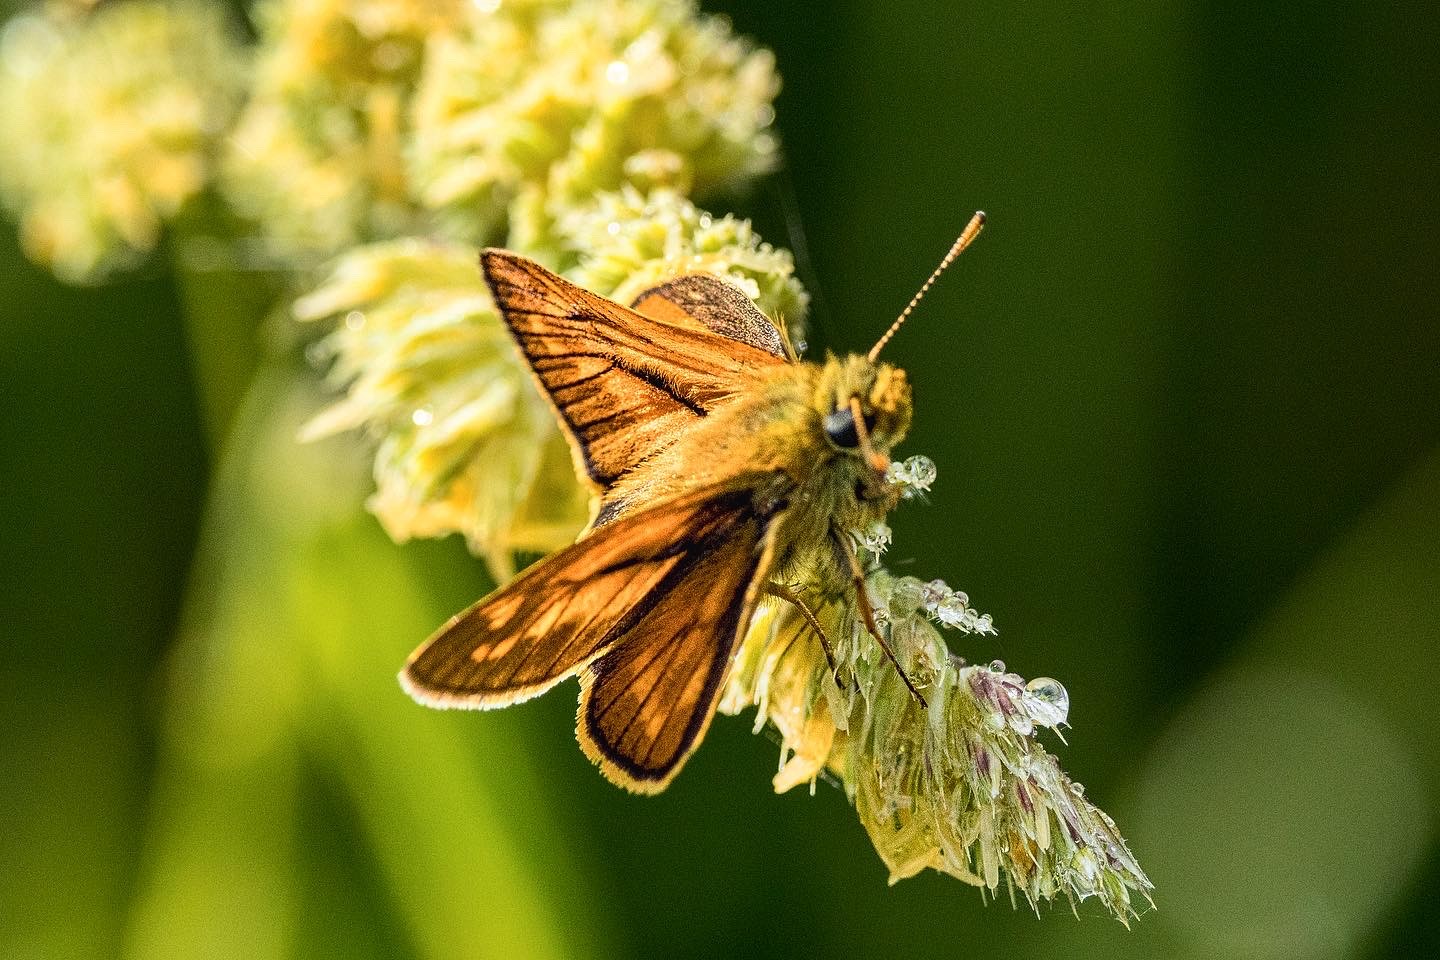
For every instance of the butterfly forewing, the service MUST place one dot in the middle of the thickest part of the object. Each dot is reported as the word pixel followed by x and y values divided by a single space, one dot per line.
pixel 624 384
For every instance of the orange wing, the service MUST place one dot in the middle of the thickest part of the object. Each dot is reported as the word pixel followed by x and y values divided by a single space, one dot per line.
pixel 623 384
pixel 646 704
pixel 653 605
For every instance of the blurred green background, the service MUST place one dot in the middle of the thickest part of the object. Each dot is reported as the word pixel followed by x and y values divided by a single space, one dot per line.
pixel 1184 396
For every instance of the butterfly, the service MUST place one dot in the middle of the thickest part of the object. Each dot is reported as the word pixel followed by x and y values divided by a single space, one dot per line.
pixel 725 470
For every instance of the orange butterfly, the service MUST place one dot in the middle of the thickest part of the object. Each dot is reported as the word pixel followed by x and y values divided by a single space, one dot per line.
pixel 725 469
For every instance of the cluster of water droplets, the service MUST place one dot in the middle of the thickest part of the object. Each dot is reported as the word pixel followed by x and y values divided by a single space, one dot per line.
pixel 948 607
pixel 914 475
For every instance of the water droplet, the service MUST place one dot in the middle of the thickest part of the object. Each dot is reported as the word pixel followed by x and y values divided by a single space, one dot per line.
pixel 613 228
pixel 915 473
pixel 487 6
pixel 617 72
pixel 318 354
pixel 997 666
pixel 1047 701
pixel 354 320
pixel 1077 788
pixel 422 417
pixel 801 346
pixel 952 612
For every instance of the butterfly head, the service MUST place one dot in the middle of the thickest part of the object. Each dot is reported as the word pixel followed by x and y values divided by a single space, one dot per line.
pixel 864 408
pixel 865 404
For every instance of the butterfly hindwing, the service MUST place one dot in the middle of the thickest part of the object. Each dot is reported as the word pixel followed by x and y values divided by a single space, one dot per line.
pixel 709 303
pixel 646 703
pixel 650 607
pixel 624 385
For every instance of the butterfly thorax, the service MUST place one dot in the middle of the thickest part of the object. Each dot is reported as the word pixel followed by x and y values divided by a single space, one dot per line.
pixel 772 436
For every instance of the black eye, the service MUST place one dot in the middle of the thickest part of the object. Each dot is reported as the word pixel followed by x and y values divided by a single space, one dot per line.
pixel 840 428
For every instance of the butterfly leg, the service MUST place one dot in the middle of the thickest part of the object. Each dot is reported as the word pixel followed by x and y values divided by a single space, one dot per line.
pixel 867 611
pixel 783 592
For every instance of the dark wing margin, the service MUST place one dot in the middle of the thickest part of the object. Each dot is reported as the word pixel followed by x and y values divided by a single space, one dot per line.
pixel 624 385
pixel 562 614
pixel 706 301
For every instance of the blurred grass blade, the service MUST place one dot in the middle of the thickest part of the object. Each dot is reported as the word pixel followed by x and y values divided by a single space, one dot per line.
pixel 299 615
pixel 219 876
pixel 456 817
pixel 1308 751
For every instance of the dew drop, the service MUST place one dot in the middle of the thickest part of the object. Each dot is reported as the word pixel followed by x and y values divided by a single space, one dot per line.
pixel 354 320
pixel 1077 788
pixel 617 72
pixel 1047 701
pixel 997 666
pixel 916 473
pixel 422 417
pixel 951 611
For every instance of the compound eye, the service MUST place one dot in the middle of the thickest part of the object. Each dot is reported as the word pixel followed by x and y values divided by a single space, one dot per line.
pixel 840 428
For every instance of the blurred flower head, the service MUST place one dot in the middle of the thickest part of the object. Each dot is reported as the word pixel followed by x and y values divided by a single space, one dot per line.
pixel 317 157
pixel 963 786
pixel 109 122
pixel 542 104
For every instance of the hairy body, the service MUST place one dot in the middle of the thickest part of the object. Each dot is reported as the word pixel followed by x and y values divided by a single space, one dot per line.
pixel 770 437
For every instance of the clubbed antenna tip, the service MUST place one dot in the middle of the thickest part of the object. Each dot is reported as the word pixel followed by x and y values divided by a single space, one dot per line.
pixel 967 236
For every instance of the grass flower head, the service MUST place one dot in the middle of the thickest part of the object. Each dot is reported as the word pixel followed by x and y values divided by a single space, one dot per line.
pixel 110 122
pixel 540 105
pixel 317 157
pixel 962 786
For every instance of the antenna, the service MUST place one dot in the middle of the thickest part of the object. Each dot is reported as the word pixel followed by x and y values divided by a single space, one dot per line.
pixel 971 231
